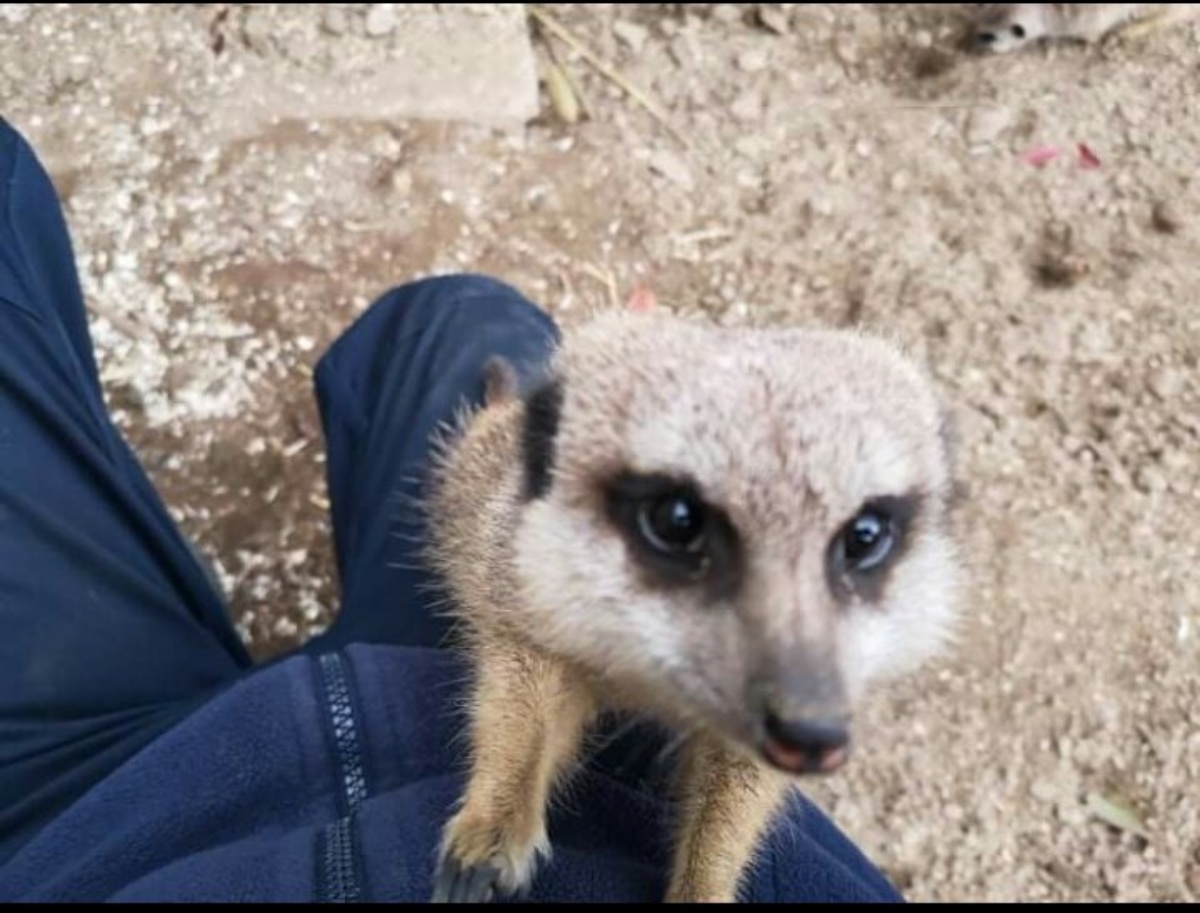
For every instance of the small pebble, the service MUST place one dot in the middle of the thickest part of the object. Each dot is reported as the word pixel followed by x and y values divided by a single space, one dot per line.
pixel 1150 480
pixel 727 13
pixel 1166 383
pixel 381 20
pixel 672 167
pixel 257 30
pixel 774 19
pixel 752 61
pixel 747 107
pixel 985 125
pixel 631 34
pixel 14 13
pixel 1165 219
pixel 334 20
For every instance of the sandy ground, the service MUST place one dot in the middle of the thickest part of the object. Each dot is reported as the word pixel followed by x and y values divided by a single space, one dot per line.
pixel 846 165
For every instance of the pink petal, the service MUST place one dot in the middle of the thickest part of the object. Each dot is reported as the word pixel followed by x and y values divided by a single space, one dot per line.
pixel 1088 160
pixel 642 301
pixel 1041 156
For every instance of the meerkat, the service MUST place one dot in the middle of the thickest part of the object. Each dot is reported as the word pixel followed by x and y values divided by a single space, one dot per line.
pixel 731 531
pixel 1005 27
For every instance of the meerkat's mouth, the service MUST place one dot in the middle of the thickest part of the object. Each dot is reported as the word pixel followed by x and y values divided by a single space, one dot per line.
pixel 804 763
pixel 807 747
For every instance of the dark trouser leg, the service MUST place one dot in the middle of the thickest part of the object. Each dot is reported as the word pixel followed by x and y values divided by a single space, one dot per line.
pixel 406 367
pixel 109 629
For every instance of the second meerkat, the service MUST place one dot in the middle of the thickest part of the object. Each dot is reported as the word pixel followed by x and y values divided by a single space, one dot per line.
pixel 1004 27
pixel 731 531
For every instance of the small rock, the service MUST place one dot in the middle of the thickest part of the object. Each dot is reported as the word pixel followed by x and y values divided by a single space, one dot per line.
pixel 66 72
pixel 774 19
pixel 402 183
pixel 727 13
pixel 1166 383
pixel 752 61
pixel 863 149
pixel 1164 219
pixel 985 125
pixel 1176 460
pixel 335 21
pixel 381 20
pixel 899 182
pixel 256 30
pixel 672 167
pixel 385 146
pixel 845 51
pixel 923 39
pixel 747 107
pixel 631 34
pixel 285 628
pixel 748 146
pixel 1150 480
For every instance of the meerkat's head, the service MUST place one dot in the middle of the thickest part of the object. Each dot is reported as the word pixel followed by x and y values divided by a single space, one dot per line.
pixel 1004 27
pixel 742 527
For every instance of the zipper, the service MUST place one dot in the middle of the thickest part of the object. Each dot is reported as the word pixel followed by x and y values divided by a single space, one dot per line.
pixel 339 878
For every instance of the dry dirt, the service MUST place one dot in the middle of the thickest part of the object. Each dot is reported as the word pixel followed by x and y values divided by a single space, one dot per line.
pixel 846 165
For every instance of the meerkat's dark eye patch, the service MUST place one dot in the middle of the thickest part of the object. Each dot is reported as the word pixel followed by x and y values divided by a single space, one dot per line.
pixel 542 411
pixel 869 543
pixel 674 534
pixel 1018 31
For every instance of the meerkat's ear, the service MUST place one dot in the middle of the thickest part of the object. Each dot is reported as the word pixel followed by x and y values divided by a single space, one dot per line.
pixel 543 408
pixel 500 381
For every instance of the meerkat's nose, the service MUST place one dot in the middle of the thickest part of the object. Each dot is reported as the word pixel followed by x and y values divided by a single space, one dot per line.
pixel 807 746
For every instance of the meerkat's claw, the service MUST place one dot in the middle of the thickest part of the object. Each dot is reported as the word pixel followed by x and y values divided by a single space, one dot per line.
pixel 457 883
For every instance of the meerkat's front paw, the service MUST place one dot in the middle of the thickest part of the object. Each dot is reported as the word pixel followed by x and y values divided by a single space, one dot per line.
pixel 482 858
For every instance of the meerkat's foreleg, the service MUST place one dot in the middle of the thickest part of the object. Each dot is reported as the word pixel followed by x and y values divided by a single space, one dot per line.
pixel 529 715
pixel 727 804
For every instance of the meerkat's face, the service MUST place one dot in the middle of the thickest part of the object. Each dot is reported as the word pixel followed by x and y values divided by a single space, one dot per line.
pixel 1005 27
pixel 744 528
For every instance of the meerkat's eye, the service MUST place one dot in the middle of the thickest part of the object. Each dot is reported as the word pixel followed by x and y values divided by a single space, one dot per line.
pixel 673 523
pixel 868 540
pixel 678 538
pixel 987 37
pixel 1018 31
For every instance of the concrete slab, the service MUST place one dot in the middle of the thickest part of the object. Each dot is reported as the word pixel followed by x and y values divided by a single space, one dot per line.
pixel 453 62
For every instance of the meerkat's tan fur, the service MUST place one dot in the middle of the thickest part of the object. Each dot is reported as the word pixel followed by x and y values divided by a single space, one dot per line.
pixel 1003 27
pixel 789 431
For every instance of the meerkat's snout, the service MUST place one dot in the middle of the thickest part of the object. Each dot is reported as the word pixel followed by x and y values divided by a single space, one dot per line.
pixel 807 746
pixel 805 714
